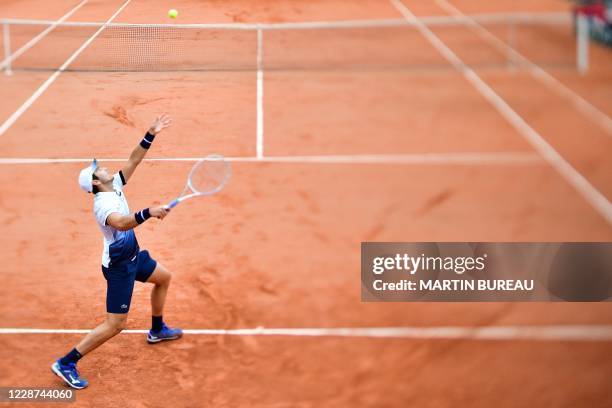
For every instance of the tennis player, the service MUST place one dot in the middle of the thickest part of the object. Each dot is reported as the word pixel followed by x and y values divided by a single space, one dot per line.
pixel 122 260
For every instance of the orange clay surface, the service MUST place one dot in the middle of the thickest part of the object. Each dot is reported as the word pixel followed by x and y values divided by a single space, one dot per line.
pixel 279 247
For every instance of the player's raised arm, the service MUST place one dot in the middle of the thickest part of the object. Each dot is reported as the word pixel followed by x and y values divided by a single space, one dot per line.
pixel 139 152
pixel 128 222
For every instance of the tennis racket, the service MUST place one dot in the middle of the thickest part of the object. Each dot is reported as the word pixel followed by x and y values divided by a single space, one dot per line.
pixel 207 177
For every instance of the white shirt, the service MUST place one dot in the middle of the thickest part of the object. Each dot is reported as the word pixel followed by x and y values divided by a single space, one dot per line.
pixel 106 203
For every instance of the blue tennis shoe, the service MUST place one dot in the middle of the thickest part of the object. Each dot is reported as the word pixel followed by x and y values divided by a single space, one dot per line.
pixel 69 374
pixel 166 333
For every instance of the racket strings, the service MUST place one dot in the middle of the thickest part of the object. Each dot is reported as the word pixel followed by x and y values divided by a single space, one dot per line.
pixel 209 176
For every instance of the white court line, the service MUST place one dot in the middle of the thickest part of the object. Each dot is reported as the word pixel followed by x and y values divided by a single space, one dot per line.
pixel 540 333
pixel 467 159
pixel 40 36
pixel 603 120
pixel 26 105
pixel 593 196
pixel 260 90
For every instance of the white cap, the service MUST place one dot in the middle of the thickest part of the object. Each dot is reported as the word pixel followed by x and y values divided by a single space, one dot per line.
pixel 86 176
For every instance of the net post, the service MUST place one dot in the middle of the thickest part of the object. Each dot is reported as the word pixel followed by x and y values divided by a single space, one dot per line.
pixel 6 34
pixel 582 42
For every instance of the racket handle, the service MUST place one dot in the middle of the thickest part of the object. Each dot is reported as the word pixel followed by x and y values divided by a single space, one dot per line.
pixel 173 203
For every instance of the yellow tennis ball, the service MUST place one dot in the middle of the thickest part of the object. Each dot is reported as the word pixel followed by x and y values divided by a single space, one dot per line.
pixel 173 13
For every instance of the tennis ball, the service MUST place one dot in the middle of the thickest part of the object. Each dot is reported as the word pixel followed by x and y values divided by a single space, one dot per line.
pixel 173 13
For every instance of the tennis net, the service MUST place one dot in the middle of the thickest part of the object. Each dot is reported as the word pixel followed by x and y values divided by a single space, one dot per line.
pixel 545 39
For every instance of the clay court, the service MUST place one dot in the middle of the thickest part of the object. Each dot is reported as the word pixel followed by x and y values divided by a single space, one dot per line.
pixel 323 159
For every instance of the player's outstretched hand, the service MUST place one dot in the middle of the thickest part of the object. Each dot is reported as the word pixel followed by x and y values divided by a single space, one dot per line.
pixel 159 212
pixel 161 122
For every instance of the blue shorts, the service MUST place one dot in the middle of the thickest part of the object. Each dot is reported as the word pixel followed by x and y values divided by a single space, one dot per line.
pixel 120 281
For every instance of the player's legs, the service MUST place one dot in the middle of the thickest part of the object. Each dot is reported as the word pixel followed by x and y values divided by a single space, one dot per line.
pixel 153 272
pixel 160 278
pixel 114 323
pixel 119 287
pixel 66 367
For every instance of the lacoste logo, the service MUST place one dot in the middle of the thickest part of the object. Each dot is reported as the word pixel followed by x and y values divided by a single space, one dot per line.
pixel 124 306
